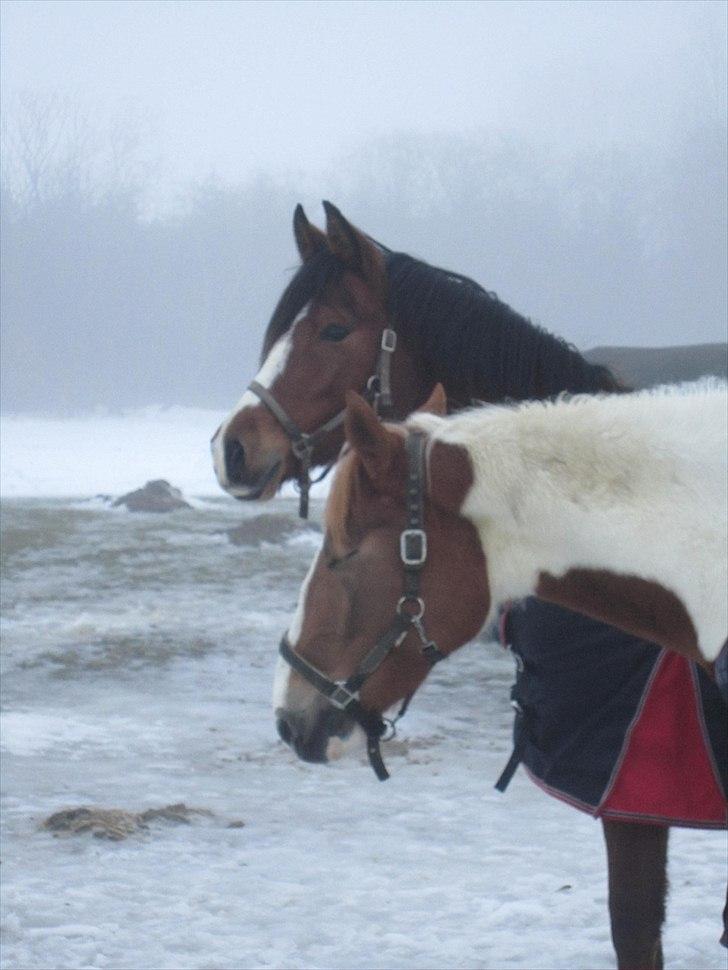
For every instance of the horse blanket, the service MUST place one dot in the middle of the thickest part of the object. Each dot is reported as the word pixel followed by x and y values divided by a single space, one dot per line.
pixel 614 725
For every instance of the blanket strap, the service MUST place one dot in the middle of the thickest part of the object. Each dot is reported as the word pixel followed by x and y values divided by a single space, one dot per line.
pixel 513 762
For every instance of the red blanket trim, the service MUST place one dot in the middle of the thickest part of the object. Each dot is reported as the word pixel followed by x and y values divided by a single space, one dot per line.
pixel 680 823
pixel 616 816
pixel 562 796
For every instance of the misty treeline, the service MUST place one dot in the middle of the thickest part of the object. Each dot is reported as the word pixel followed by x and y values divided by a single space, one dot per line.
pixel 105 304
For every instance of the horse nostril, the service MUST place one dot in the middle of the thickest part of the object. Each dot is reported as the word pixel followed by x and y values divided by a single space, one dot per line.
pixel 234 460
pixel 284 730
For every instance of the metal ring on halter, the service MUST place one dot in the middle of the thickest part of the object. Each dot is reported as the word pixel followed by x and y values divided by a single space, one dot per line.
pixel 374 383
pixel 411 599
pixel 302 448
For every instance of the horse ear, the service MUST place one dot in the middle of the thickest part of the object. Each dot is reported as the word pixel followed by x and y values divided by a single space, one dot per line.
pixel 436 403
pixel 375 445
pixel 309 239
pixel 355 250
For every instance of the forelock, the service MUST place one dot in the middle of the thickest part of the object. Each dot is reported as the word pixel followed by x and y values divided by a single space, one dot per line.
pixel 310 283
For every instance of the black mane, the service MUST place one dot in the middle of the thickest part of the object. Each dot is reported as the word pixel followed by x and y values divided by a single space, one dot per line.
pixel 478 346
pixel 464 336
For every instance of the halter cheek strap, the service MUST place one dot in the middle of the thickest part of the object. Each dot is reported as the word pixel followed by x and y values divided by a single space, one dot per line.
pixel 378 392
pixel 380 385
pixel 344 695
pixel 302 444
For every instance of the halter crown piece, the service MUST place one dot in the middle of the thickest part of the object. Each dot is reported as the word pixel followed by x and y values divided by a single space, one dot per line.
pixel 378 392
pixel 344 695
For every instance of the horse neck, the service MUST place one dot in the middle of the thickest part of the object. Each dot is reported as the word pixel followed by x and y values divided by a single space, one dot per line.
pixel 479 348
pixel 552 493
pixel 412 382
pixel 522 364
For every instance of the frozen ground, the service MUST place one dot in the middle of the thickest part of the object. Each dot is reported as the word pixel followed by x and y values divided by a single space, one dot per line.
pixel 137 662
pixel 109 453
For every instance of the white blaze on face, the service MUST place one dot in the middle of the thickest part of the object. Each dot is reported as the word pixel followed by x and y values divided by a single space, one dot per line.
pixel 273 367
pixel 281 698
pixel 300 696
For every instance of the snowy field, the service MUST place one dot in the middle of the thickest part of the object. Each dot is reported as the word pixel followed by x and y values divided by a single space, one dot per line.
pixel 107 453
pixel 137 666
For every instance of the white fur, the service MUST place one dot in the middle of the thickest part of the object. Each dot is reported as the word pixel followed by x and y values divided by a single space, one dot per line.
pixel 636 484
pixel 281 681
pixel 295 694
pixel 273 367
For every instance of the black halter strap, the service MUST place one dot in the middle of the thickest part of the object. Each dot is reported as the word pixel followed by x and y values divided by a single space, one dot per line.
pixel 302 444
pixel 344 695
pixel 378 391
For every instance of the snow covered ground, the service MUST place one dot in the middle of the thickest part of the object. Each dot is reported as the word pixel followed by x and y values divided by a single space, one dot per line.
pixel 137 665
pixel 109 453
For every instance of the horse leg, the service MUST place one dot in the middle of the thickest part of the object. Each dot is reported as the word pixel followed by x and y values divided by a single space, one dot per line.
pixel 637 863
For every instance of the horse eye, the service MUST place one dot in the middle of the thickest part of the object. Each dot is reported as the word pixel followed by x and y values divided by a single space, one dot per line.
pixel 334 331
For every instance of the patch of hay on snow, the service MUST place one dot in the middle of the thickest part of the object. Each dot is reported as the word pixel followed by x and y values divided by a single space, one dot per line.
pixel 116 823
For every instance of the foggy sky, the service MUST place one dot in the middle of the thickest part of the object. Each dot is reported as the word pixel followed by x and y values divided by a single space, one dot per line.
pixel 570 156
pixel 231 88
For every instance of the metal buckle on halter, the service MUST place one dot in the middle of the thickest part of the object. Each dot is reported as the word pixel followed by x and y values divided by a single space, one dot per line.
pixel 341 697
pixel 413 547
pixel 389 340
pixel 302 448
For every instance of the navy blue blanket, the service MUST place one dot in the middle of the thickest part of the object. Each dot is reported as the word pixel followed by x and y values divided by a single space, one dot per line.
pixel 579 688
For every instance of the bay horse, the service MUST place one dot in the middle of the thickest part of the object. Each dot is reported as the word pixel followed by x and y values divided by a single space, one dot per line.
pixel 357 316
pixel 615 506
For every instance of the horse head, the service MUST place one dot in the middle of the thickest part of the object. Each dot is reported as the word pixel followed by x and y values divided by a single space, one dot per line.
pixel 325 337
pixel 382 599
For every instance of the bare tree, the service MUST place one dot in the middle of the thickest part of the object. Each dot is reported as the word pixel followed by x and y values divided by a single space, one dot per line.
pixel 52 149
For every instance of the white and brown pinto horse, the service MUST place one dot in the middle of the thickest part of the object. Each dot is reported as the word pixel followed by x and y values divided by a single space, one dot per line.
pixel 614 506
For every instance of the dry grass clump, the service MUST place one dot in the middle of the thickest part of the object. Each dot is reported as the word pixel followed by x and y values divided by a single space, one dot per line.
pixel 116 823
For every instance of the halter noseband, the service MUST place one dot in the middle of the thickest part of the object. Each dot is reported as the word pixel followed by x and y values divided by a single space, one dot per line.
pixel 344 695
pixel 378 392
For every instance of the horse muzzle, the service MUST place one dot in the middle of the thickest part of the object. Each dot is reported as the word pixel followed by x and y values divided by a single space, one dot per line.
pixel 310 740
pixel 238 476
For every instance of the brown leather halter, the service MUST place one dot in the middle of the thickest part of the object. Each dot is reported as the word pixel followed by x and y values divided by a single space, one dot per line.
pixel 378 392
pixel 344 695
